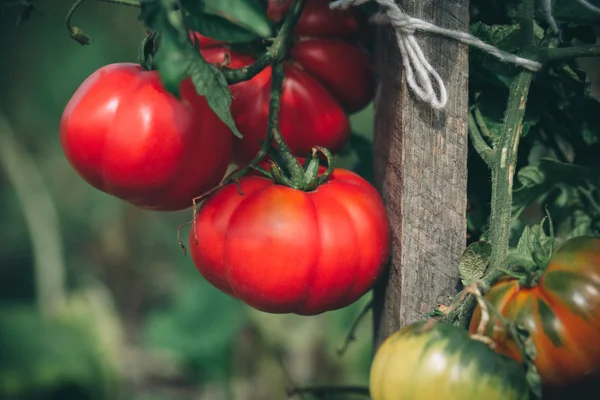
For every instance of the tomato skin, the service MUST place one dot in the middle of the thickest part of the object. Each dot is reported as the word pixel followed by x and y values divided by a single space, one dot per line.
pixel 127 136
pixel 282 250
pixel 327 76
pixel 329 60
pixel 562 313
pixel 443 362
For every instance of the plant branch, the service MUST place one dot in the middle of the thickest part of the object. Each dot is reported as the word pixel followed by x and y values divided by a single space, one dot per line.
pixel 503 169
pixel 485 131
pixel 74 31
pixel 41 218
pixel 483 149
pixel 276 52
pixel 567 53
pixel 129 3
pixel 325 391
pixel 503 165
pixel 505 150
pixel 351 336
pixel 291 163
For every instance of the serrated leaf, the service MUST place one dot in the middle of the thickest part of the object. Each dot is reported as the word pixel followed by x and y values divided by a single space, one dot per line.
pixel 249 14
pixel 536 244
pixel 219 28
pixel 474 262
pixel 518 259
pixel 178 59
pixel 537 180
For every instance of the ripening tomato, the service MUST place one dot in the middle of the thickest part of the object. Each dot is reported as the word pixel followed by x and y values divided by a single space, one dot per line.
pixel 283 250
pixel 327 75
pixel 127 136
pixel 430 360
pixel 562 313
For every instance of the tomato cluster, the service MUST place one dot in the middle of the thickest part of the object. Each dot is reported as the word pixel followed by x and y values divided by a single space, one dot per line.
pixel 280 249
pixel 327 75
pixel 561 313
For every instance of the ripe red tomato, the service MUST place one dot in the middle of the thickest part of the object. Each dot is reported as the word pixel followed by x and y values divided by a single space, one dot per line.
pixel 327 75
pixel 562 313
pixel 282 250
pixel 127 136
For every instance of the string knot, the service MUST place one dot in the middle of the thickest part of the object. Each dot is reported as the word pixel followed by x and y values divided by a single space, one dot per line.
pixel 398 19
pixel 418 71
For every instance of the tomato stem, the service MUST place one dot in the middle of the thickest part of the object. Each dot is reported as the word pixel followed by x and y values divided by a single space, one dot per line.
pixel 568 53
pixel 129 3
pixel 502 161
pixel 290 162
pixel 325 391
pixel 276 52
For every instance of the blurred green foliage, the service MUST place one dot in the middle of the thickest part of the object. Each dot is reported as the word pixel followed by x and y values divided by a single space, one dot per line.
pixel 139 322
pixel 149 327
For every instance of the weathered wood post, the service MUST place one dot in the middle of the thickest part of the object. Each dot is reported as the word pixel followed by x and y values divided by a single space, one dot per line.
pixel 421 170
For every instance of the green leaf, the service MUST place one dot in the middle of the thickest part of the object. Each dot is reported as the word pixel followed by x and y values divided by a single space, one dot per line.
pixel 249 14
pixel 537 180
pixel 177 59
pixel 580 224
pixel 518 259
pixel 535 243
pixel 219 28
pixel 474 262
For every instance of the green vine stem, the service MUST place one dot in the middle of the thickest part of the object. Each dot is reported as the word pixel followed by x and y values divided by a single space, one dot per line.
pixel 276 52
pixel 505 150
pixel 481 147
pixel 324 392
pixel 74 31
pixel 503 169
pixel 129 3
pixel 290 162
pixel 567 53
pixel 503 164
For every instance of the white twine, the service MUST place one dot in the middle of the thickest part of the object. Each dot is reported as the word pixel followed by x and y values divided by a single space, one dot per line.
pixel 414 59
pixel 584 3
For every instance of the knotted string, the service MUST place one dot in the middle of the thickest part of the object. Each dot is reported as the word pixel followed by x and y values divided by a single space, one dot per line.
pixel 414 61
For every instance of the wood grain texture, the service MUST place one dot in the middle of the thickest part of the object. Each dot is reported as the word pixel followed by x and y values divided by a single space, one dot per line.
pixel 421 170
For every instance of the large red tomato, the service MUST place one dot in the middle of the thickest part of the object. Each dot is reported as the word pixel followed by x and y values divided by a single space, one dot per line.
pixel 562 313
pixel 327 75
pixel 282 250
pixel 127 136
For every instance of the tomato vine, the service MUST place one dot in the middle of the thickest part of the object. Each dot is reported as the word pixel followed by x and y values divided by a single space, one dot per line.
pixel 502 157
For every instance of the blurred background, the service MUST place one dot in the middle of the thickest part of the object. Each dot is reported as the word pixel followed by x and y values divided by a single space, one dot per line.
pixel 136 321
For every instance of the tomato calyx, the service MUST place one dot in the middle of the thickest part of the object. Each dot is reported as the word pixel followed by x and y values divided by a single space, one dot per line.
pixel 305 176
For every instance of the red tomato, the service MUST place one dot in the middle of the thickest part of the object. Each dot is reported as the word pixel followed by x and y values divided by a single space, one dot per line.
pixel 327 75
pixel 282 250
pixel 561 312
pixel 127 136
